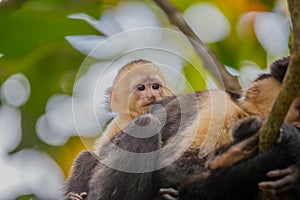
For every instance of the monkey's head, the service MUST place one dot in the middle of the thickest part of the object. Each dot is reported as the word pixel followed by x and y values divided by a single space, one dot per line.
pixel 259 98
pixel 137 85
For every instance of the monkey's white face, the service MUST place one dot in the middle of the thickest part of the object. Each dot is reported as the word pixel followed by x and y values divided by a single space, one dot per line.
pixel 144 93
pixel 148 93
pixel 137 88
pixel 261 96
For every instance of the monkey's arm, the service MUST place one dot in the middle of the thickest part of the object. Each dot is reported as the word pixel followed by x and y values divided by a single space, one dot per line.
pixel 226 155
pixel 284 181
pixel 240 180
pixel 245 144
pixel 78 184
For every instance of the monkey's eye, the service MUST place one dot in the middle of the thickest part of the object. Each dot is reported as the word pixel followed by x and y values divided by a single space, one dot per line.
pixel 141 87
pixel 155 86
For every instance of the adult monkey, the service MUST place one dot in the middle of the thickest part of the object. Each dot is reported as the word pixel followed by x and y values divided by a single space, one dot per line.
pixel 281 182
pixel 198 111
pixel 137 85
pixel 232 179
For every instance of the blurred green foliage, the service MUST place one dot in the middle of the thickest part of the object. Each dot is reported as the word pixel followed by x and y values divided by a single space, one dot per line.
pixel 32 40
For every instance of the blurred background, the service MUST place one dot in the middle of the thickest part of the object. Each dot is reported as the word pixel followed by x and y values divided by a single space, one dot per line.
pixel 58 57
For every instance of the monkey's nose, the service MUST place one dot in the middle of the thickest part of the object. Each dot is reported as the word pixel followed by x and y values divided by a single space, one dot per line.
pixel 150 96
pixel 151 99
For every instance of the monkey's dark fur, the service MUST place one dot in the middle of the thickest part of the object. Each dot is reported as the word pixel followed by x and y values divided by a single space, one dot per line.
pixel 83 169
pixel 240 181
pixel 108 183
pixel 115 184
pixel 172 116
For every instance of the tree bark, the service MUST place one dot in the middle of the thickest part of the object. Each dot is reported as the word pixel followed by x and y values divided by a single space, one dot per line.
pixel 290 86
pixel 225 79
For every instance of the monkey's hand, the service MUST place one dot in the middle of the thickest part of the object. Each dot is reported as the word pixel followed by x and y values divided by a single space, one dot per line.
pixel 75 196
pixel 168 194
pixel 245 133
pixel 287 181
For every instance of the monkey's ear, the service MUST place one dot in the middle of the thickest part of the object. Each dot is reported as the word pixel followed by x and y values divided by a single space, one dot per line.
pixel 112 97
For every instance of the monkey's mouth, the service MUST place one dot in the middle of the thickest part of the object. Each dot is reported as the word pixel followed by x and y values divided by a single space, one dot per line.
pixel 146 105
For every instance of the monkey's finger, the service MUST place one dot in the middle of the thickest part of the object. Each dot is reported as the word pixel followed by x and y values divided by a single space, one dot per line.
pixel 287 181
pixel 269 185
pixel 278 173
pixel 83 194
pixel 73 196
pixel 283 172
pixel 169 191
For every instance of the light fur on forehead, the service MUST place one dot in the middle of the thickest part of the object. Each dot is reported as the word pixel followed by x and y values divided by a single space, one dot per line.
pixel 129 66
pixel 260 96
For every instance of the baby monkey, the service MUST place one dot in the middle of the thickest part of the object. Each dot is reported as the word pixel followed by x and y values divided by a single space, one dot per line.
pixel 137 85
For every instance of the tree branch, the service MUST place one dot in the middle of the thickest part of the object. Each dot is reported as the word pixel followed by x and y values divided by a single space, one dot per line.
pixel 220 74
pixel 290 87
pixel 8 6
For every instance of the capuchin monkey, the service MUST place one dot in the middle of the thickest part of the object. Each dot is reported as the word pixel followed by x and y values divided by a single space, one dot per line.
pixel 239 180
pixel 182 131
pixel 280 180
pixel 137 85
pixel 256 100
